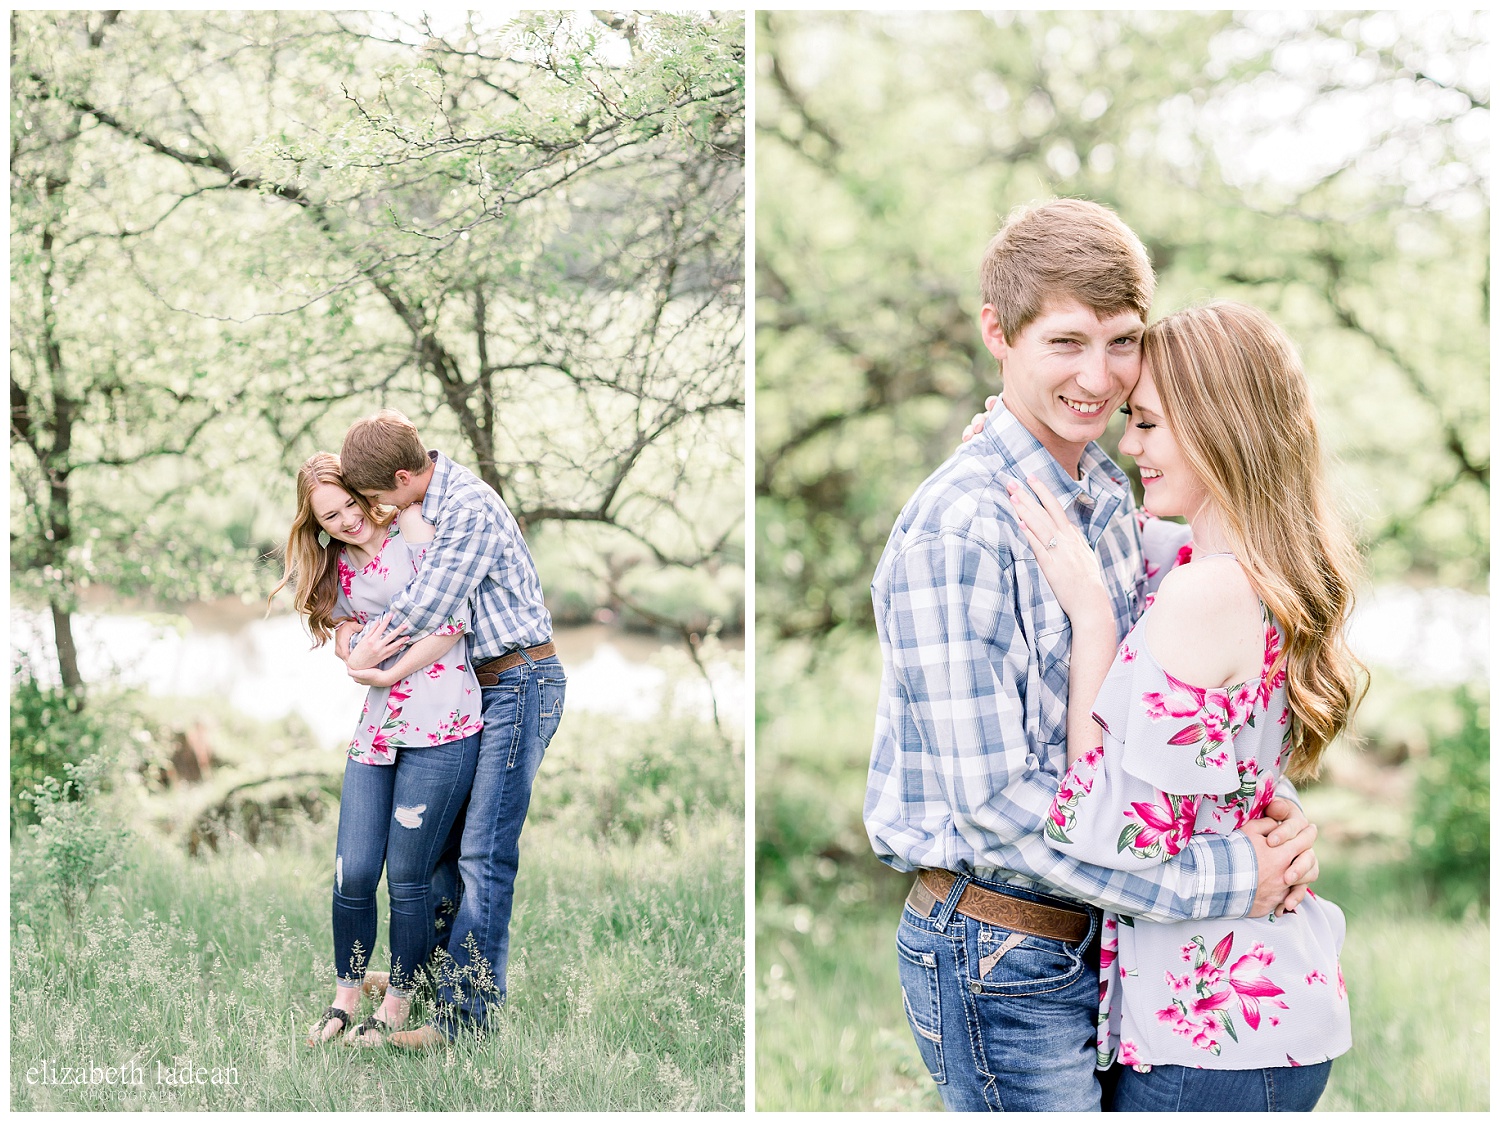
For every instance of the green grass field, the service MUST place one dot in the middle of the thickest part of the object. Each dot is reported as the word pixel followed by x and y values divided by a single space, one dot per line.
pixel 626 980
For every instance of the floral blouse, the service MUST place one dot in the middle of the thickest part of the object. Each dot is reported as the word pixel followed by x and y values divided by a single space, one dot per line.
pixel 1179 759
pixel 433 705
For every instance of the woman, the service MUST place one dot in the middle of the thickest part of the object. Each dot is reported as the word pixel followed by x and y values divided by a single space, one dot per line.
pixel 1236 673
pixel 412 757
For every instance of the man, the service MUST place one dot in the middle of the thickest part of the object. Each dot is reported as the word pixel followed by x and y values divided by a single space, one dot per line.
pixel 477 556
pixel 970 735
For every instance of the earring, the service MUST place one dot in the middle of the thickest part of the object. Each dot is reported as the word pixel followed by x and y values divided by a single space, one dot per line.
pixel 323 538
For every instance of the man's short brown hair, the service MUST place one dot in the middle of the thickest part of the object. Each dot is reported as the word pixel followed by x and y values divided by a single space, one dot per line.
pixel 1070 248
pixel 376 448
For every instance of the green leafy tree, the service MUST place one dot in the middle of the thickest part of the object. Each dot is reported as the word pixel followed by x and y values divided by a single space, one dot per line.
pixel 525 233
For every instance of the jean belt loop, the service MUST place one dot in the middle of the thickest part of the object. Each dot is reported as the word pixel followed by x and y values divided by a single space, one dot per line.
pixel 945 913
pixel 530 662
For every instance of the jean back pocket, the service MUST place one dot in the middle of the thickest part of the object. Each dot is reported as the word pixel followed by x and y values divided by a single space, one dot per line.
pixel 919 993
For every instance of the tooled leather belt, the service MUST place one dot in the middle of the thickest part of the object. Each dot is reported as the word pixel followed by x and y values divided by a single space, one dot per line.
pixel 996 908
pixel 489 672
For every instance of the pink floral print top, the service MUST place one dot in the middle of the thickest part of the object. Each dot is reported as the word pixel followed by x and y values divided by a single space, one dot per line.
pixel 1179 759
pixel 433 705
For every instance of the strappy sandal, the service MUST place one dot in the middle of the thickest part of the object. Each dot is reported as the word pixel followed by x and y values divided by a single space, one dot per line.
pixel 315 1035
pixel 360 1036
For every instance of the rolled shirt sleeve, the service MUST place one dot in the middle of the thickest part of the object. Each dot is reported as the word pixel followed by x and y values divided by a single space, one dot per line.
pixel 462 552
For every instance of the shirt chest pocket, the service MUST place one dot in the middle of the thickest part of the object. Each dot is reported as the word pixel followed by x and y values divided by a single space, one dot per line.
pixel 1047 691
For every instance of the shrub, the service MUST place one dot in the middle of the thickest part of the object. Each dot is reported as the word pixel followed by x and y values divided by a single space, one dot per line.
pixel 76 848
pixel 49 729
pixel 1451 810
pixel 634 777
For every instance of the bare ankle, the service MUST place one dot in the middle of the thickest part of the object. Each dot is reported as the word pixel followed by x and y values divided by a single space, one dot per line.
pixel 346 997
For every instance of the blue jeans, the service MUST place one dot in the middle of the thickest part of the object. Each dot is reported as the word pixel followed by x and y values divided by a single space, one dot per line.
pixel 521 714
pixel 1173 1088
pixel 447 887
pixel 1000 1028
pixel 397 816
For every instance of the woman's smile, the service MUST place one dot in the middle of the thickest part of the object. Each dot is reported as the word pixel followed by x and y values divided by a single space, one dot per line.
pixel 339 515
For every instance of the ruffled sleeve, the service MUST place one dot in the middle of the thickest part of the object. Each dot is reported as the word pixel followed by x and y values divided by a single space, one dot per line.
pixel 1166 745
pixel 1104 816
pixel 1171 734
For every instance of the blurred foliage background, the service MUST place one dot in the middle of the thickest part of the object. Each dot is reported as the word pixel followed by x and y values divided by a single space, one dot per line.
pixel 1331 169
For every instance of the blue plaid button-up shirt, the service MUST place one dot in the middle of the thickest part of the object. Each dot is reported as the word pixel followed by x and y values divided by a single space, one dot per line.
pixel 970 736
pixel 477 554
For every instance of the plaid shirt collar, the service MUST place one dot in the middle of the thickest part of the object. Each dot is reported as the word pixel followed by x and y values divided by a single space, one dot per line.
pixel 432 501
pixel 1098 492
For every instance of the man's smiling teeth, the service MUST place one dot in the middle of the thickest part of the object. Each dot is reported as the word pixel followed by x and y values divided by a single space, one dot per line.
pixel 1087 407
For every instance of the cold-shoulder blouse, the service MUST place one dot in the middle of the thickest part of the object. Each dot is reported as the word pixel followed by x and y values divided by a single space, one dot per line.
pixel 1180 759
pixel 433 705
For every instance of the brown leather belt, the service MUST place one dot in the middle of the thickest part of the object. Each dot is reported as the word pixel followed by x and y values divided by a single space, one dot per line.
pixel 996 908
pixel 489 673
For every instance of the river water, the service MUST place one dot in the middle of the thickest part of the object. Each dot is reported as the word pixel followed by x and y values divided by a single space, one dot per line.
pixel 264 667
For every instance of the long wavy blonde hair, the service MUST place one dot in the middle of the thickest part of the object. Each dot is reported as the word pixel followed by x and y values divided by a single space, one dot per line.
pixel 310 567
pixel 1237 400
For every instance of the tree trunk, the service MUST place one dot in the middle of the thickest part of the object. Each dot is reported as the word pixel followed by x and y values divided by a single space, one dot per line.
pixel 67 651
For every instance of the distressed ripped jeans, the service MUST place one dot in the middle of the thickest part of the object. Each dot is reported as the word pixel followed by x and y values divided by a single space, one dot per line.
pixel 397 816
pixel 1003 1020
